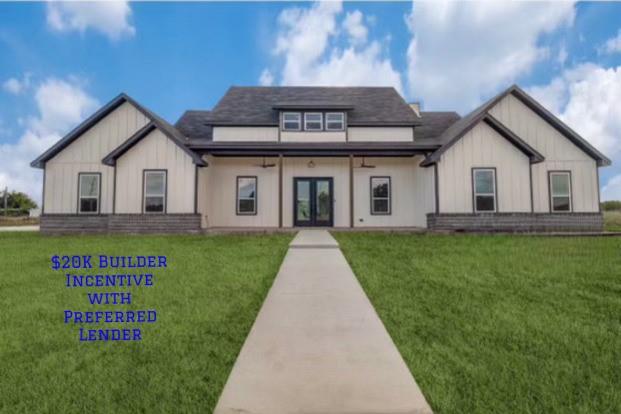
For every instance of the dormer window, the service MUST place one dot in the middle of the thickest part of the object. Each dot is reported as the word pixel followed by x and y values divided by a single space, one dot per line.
pixel 291 121
pixel 335 121
pixel 313 121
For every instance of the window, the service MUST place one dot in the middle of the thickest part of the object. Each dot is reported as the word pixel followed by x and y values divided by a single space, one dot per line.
pixel 313 121
pixel 335 121
pixel 380 195
pixel 484 183
pixel 560 191
pixel 291 121
pixel 154 191
pixel 89 186
pixel 246 195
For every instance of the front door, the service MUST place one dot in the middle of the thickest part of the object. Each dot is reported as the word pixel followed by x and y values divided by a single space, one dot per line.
pixel 312 201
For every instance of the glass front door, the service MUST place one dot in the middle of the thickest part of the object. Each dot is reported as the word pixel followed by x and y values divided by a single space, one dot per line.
pixel 313 200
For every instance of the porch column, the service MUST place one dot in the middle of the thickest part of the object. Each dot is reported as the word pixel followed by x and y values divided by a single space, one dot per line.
pixel 351 191
pixel 280 190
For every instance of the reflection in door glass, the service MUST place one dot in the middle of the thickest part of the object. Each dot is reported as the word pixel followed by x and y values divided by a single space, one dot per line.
pixel 303 201
pixel 323 200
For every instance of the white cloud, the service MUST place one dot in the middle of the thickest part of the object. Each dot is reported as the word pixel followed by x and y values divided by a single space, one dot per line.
pixel 612 45
pixel 612 189
pixel 16 86
pixel 108 17
pixel 314 53
pixel 562 56
pixel 461 52
pixel 266 78
pixel 61 105
pixel 355 27
pixel 587 98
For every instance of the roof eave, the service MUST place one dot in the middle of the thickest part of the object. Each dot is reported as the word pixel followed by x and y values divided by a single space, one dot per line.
pixel 119 151
pixel 560 126
pixel 87 124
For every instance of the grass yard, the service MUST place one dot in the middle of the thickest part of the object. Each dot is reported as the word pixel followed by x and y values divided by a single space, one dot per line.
pixel 612 220
pixel 206 300
pixel 500 324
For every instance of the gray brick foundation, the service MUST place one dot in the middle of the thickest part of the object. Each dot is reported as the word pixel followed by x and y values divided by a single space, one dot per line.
pixel 517 222
pixel 120 223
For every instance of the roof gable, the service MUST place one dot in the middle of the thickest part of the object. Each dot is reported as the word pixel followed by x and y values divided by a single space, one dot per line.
pixel 497 126
pixel 90 122
pixel 462 126
pixel 142 133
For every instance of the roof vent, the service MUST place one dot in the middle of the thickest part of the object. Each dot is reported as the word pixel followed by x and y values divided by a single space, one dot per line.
pixel 415 107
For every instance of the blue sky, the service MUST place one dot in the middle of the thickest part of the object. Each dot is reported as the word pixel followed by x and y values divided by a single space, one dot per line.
pixel 59 62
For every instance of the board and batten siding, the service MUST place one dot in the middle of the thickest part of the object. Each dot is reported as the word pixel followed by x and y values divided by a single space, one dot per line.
pixel 412 192
pixel 256 134
pixel 314 136
pixel 559 152
pixel 483 147
pixel 155 152
pixel 353 134
pixel 217 194
pixel 380 134
pixel 85 155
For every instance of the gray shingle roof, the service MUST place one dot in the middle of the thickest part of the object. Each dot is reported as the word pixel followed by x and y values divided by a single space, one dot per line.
pixel 255 105
pixel 194 124
pixel 433 124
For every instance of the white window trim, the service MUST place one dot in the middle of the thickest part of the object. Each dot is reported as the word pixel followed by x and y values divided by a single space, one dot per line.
pixel 239 198
pixel 145 195
pixel 389 198
pixel 552 195
pixel 80 196
pixel 306 121
pixel 475 193
pixel 298 115
pixel 342 115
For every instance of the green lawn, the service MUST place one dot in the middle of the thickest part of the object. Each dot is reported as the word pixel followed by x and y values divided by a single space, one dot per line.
pixel 612 220
pixel 500 324
pixel 206 301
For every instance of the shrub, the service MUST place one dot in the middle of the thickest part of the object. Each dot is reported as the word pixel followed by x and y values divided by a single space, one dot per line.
pixel 611 205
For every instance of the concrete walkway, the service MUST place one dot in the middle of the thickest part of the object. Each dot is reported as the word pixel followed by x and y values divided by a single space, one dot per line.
pixel 19 228
pixel 318 346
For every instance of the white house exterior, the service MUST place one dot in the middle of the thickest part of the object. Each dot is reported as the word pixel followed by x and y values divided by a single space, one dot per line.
pixel 350 157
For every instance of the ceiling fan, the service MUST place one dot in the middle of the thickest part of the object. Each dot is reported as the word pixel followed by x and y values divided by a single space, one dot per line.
pixel 264 164
pixel 363 164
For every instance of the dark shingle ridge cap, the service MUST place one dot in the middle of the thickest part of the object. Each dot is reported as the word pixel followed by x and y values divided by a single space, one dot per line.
pixel 465 124
pixel 143 132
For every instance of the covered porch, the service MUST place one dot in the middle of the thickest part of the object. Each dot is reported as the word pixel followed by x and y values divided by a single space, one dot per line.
pixel 271 186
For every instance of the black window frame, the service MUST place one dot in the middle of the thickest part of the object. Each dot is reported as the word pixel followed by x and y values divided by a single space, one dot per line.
pixel 78 207
pixel 372 197
pixel 256 195
pixel 551 196
pixel 144 190
pixel 474 190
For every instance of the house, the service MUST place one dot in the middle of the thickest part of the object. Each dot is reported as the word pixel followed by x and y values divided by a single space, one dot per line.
pixel 282 157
